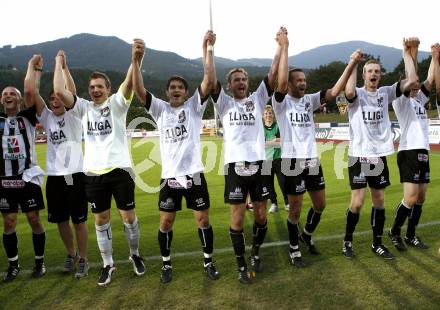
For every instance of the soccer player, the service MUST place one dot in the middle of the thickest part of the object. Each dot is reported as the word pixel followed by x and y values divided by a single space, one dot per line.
pixel 65 193
pixel 294 112
pixel 273 158
pixel 20 180
pixel 244 154
pixel 370 142
pixel 179 121
pixel 413 157
pixel 436 68
pixel 107 161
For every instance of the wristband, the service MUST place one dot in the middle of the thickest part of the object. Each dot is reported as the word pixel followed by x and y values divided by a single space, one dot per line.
pixel 210 48
pixel 38 69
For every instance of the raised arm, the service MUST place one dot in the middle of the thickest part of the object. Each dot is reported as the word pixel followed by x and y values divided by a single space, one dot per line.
pixel 414 51
pixel 29 81
pixel 59 83
pixel 127 85
pixel 351 67
pixel 283 68
pixel 273 72
pixel 350 86
pixel 430 78
pixel 137 54
pixel 431 71
pixel 32 84
pixel 436 68
pixel 70 83
pixel 410 70
pixel 209 75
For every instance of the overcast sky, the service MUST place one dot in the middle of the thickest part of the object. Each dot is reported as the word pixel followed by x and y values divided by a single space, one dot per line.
pixel 244 28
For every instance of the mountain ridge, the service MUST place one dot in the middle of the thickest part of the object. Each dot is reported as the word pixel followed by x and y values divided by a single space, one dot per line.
pixel 110 53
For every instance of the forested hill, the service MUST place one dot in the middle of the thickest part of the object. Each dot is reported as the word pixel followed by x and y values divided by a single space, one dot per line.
pixel 109 53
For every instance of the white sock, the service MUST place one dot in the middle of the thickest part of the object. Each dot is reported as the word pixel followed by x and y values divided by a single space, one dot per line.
pixel 133 235
pixel 104 238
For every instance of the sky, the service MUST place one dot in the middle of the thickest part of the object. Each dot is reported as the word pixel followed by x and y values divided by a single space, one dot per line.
pixel 244 28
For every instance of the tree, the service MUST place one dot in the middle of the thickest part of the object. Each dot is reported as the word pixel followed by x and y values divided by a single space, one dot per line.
pixel 325 77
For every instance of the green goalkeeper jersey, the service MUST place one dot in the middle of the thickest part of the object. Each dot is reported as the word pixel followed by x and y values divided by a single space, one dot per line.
pixel 270 133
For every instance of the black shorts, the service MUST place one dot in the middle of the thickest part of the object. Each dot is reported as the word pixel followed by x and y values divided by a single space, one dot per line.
pixel 268 176
pixel 302 174
pixel 242 179
pixel 100 188
pixel 413 166
pixel 196 194
pixel 66 198
pixel 270 169
pixel 371 170
pixel 16 193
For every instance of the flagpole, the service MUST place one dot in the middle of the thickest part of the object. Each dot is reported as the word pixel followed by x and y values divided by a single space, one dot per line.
pixel 211 27
pixel 210 15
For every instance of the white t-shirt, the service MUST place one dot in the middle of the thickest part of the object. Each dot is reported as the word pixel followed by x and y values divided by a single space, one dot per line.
pixel 297 127
pixel 413 121
pixel 370 126
pixel 242 124
pixel 64 142
pixel 104 125
pixel 179 135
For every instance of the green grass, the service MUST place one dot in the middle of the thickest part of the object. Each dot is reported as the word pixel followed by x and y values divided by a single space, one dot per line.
pixel 330 280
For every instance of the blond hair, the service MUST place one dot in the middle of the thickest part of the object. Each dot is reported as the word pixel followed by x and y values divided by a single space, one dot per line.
pixel 235 70
pixel 269 107
pixel 369 62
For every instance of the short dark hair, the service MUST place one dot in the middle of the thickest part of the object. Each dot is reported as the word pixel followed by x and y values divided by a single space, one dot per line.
pixel 15 88
pixel 99 75
pixel 177 78
pixel 52 93
pixel 235 70
pixel 294 70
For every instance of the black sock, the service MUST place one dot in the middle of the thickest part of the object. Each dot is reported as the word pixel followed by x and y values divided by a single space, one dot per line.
pixel 238 243
pixel 413 220
pixel 307 238
pixel 293 235
pixel 352 220
pixel 39 241
pixel 259 233
pixel 39 261
pixel 313 219
pixel 165 239
pixel 166 262
pixel 13 263
pixel 206 236
pixel 377 223
pixel 402 212
pixel 10 243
